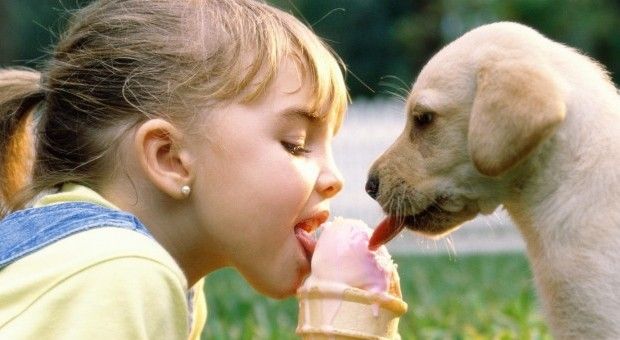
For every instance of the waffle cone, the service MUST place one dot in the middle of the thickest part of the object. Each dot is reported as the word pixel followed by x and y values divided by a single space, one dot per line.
pixel 331 313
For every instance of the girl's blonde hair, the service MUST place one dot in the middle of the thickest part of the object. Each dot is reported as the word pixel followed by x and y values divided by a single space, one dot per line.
pixel 122 62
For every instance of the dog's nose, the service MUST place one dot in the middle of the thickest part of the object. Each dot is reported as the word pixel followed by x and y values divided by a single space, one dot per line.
pixel 372 186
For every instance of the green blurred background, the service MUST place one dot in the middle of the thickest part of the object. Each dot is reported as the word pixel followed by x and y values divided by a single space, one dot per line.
pixel 381 41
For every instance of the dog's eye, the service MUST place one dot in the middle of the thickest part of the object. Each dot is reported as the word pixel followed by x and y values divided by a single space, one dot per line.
pixel 423 119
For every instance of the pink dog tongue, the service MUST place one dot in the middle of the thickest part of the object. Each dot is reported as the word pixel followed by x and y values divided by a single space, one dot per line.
pixel 385 231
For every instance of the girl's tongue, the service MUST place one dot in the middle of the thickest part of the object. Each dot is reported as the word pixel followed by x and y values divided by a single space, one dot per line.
pixel 307 241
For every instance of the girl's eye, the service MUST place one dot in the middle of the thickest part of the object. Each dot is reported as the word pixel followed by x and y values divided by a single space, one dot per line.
pixel 295 149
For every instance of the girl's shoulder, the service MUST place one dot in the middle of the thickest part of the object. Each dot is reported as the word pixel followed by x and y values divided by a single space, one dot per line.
pixel 115 267
pixel 88 249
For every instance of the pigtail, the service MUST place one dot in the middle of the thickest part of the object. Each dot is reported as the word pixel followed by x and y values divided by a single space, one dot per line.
pixel 20 93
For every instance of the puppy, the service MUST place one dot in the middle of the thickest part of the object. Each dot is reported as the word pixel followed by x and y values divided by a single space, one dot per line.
pixel 505 116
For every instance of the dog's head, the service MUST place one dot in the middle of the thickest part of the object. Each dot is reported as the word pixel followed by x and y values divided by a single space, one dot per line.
pixel 477 111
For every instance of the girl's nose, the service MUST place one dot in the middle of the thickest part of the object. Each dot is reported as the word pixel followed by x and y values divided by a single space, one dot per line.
pixel 330 180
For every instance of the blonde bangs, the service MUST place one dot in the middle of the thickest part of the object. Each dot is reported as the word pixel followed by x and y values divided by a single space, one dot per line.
pixel 330 93
pixel 278 35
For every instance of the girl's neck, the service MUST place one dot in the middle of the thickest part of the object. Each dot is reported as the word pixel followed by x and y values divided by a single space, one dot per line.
pixel 172 224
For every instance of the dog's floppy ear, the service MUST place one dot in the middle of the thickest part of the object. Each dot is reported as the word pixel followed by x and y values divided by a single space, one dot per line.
pixel 517 106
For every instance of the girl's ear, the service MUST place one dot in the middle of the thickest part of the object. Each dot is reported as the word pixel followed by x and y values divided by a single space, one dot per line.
pixel 163 157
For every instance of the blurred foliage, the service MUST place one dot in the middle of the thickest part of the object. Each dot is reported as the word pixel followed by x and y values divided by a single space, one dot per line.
pixel 384 43
pixel 29 28
pixel 469 297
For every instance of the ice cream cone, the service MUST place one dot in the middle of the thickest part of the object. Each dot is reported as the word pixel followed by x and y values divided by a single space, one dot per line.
pixel 334 313
pixel 352 292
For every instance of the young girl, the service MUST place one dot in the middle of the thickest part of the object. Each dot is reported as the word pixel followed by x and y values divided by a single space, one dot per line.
pixel 173 138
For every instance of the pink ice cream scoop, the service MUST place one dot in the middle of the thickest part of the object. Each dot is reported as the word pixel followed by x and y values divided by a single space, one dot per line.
pixel 341 257
pixel 352 292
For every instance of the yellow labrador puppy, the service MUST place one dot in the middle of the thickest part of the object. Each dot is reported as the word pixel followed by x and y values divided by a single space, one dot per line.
pixel 505 116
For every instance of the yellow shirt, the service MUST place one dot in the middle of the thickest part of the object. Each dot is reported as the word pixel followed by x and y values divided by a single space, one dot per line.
pixel 104 283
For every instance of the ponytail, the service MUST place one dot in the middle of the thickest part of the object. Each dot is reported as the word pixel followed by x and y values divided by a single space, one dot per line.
pixel 20 93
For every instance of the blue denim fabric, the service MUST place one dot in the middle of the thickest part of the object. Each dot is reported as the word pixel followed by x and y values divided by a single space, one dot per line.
pixel 29 230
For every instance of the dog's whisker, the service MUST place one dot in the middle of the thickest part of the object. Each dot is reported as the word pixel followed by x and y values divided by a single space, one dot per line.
pixel 428 197
pixel 396 90
pixel 450 248
pixel 394 77
pixel 401 87
pixel 397 96
pixel 399 210
pixel 490 226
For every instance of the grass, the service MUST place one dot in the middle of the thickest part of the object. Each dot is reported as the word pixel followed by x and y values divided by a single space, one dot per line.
pixel 464 297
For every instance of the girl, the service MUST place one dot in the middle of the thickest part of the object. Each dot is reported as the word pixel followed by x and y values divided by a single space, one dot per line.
pixel 173 138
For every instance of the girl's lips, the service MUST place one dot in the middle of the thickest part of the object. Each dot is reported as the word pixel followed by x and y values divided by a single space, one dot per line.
pixel 304 230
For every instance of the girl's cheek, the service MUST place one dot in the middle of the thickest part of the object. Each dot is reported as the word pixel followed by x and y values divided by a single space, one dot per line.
pixel 308 173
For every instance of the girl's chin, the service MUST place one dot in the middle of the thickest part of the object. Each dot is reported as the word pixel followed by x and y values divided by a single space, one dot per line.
pixel 282 273
pixel 303 266
pixel 283 291
pixel 284 286
pixel 301 272
pixel 296 278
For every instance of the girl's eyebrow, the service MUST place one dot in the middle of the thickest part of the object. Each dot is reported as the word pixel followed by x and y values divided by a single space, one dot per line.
pixel 296 113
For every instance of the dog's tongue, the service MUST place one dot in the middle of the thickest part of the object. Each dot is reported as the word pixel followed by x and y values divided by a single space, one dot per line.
pixel 385 231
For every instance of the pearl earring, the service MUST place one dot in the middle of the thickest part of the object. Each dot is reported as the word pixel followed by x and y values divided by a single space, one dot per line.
pixel 185 190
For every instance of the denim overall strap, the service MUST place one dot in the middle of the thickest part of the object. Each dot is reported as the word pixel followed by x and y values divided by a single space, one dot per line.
pixel 26 231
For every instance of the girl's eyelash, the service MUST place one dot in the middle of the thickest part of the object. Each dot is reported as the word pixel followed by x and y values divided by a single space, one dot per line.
pixel 295 149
